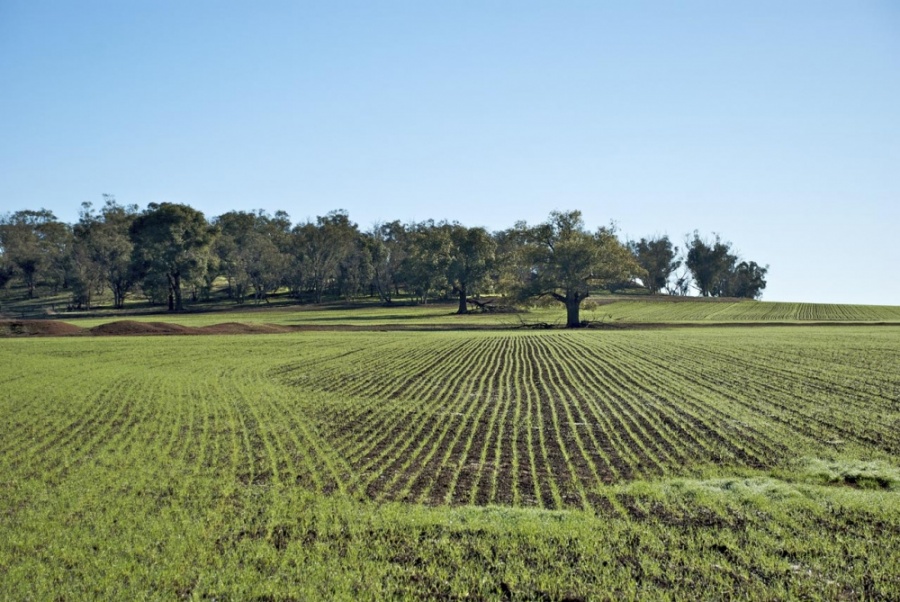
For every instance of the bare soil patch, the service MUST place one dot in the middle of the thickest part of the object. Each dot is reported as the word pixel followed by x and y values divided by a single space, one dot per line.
pixel 48 328
pixel 239 328
pixel 132 327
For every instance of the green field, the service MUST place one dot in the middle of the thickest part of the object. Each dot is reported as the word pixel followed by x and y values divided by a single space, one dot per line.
pixel 605 309
pixel 689 463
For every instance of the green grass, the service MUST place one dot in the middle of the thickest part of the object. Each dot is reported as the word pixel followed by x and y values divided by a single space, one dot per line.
pixel 610 309
pixel 155 536
pixel 443 315
pixel 373 315
pixel 692 463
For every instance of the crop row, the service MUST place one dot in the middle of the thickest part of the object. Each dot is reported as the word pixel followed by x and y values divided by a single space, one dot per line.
pixel 544 418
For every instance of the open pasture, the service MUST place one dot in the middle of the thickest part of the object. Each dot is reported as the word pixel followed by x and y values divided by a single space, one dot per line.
pixel 354 464
pixel 605 309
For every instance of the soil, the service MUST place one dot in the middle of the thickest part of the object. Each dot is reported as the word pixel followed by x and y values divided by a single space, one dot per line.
pixel 129 327
pixel 47 328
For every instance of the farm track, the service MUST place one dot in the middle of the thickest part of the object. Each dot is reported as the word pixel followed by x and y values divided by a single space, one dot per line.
pixel 508 418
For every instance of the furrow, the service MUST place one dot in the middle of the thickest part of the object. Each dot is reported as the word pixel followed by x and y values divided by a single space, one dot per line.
pixel 550 494
pixel 578 466
pixel 434 478
pixel 418 420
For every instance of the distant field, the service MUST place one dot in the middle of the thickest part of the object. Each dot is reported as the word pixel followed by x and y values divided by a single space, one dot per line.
pixel 693 310
pixel 485 465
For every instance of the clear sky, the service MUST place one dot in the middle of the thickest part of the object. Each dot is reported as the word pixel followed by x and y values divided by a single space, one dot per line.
pixel 776 124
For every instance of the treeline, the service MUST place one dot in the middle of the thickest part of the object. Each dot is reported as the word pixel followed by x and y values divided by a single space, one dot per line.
pixel 170 253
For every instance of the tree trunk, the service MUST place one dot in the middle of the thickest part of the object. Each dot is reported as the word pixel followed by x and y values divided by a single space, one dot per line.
pixel 463 306
pixel 176 288
pixel 30 283
pixel 573 305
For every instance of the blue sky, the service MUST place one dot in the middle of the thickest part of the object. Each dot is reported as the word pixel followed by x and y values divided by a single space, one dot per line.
pixel 776 124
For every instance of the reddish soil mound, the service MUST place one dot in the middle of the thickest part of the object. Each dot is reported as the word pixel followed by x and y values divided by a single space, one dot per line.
pixel 238 328
pixel 131 327
pixel 48 328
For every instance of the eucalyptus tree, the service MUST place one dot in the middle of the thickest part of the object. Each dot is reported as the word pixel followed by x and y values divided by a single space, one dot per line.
pixel 250 252
pixel 171 247
pixel 658 257
pixel 710 263
pixel 424 268
pixel 747 280
pixel 718 272
pixel 355 271
pixel 320 248
pixel 86 275
pixel 7 271
pixel 385 246
pixel 471 260
pixel 35 248
pixel 103 248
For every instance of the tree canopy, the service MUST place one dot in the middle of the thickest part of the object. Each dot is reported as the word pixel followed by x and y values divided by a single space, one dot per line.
pixel 719 272
pixel 171 243
pixel 472 259
pixel 35 245
pixel 658 258
pixel 562 260
pixel 169 250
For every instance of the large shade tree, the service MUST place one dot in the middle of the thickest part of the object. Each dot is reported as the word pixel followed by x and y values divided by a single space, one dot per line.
pixel 564 261
pixel 171 245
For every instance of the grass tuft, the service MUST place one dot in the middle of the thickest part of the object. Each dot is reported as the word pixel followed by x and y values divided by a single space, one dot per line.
pixel 873 474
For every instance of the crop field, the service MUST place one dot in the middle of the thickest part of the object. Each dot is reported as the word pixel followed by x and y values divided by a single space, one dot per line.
pixel 542 420
pixel 453 465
